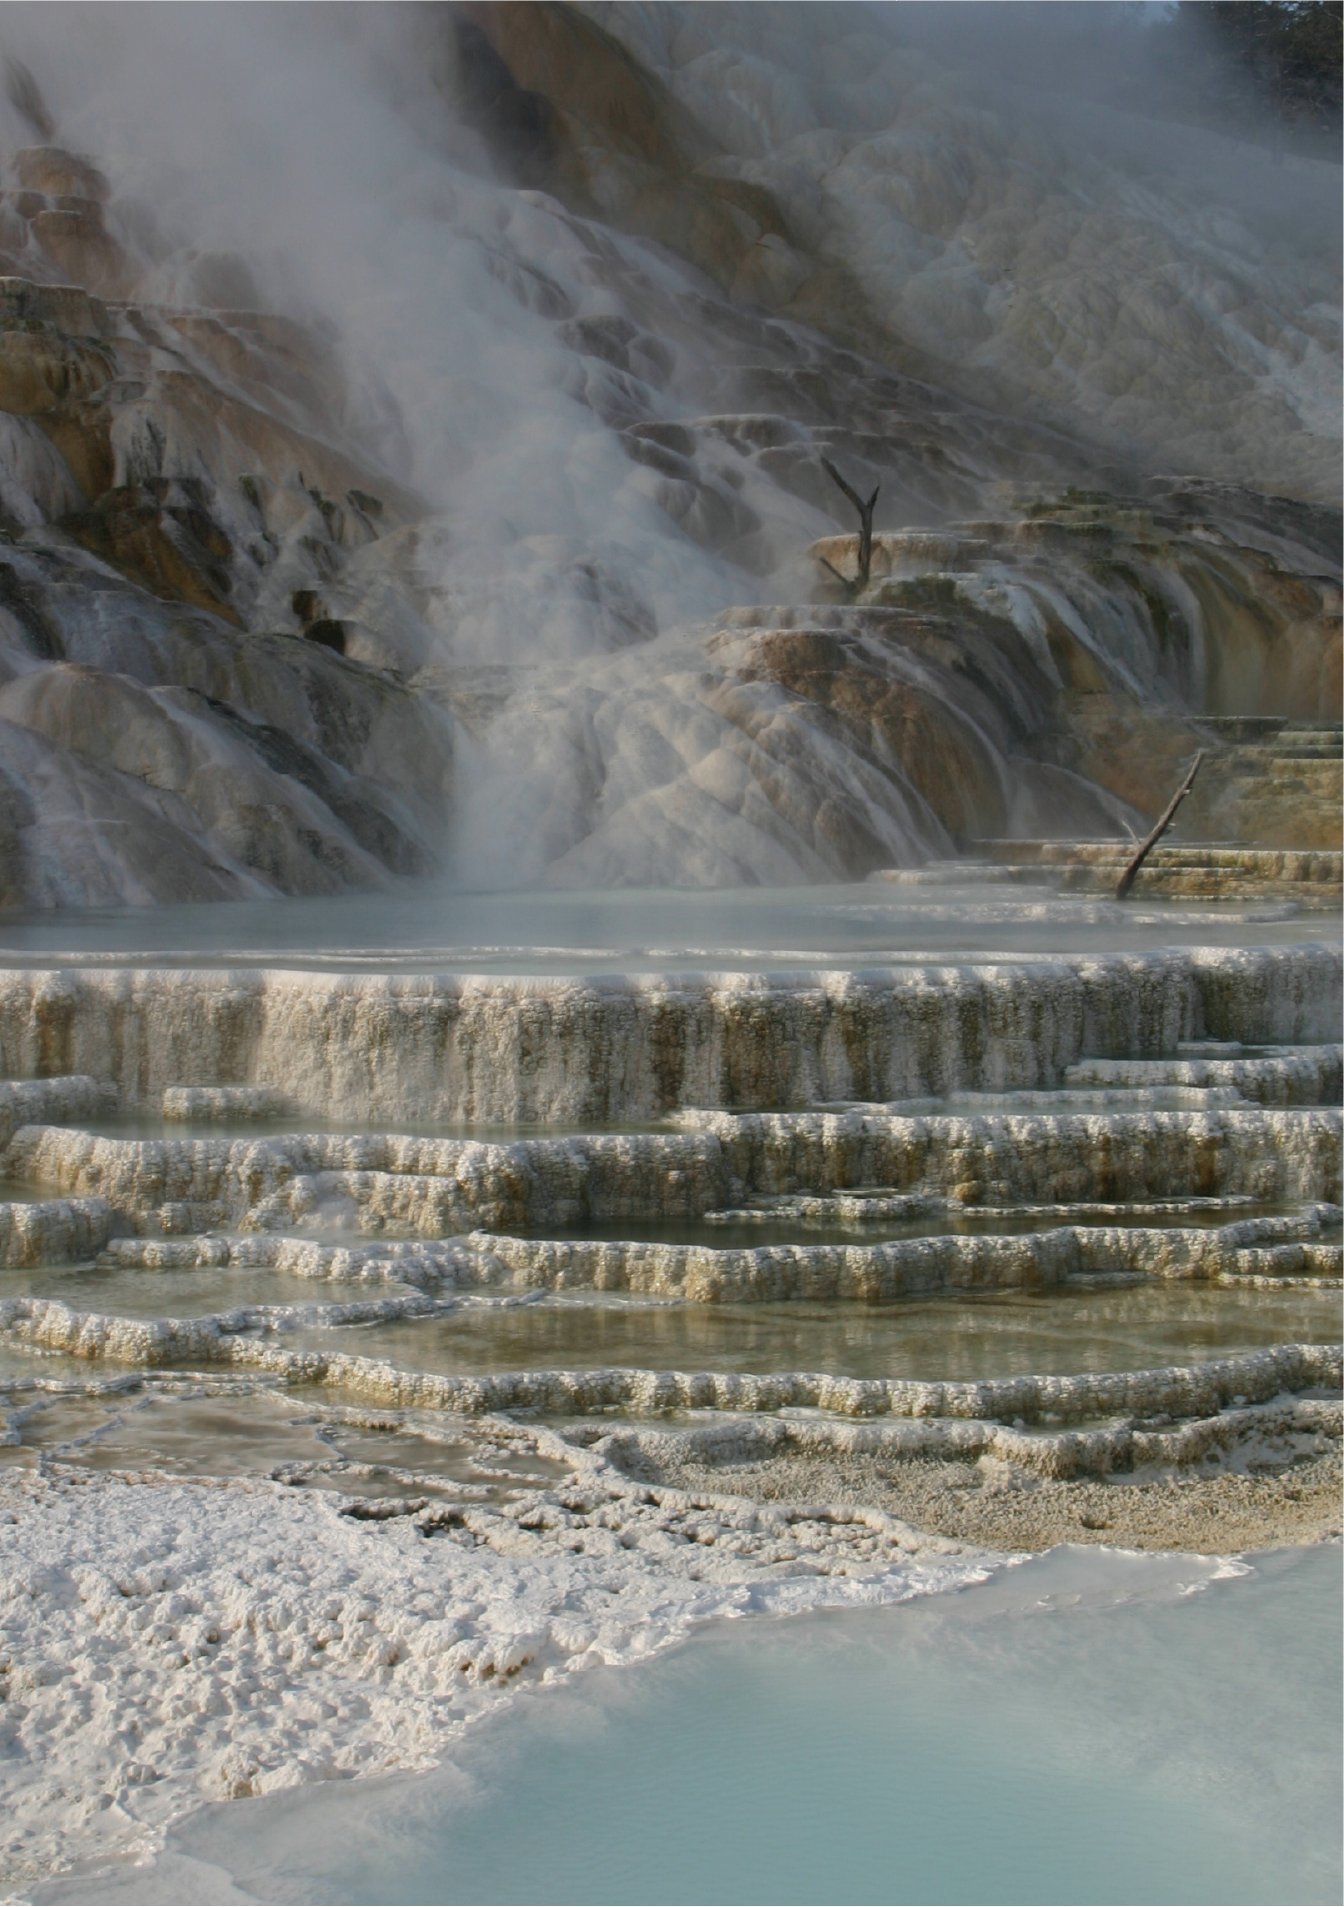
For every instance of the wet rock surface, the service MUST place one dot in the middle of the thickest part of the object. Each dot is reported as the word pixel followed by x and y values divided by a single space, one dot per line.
pixel 889 188
pixel 244 646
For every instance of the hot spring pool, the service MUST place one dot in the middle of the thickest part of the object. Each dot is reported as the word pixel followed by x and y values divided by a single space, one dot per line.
pixel 1087 1726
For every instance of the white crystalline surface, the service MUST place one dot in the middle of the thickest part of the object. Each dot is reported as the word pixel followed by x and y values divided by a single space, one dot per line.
pixel 316 1443
pixel 167 1643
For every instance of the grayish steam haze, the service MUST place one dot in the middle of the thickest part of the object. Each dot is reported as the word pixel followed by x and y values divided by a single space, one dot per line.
pixel 311 140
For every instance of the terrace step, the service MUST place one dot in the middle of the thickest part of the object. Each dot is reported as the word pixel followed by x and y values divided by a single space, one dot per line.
pixel 1192 870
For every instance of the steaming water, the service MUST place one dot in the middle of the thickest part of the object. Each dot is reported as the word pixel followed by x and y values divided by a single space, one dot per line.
pixel 1086 1726
pixel 637 930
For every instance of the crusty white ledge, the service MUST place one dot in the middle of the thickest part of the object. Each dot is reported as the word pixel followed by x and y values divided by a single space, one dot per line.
pixel 446 1047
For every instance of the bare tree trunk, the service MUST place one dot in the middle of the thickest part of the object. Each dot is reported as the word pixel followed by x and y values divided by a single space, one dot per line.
pixel 865 511
pixel 1168 816
pixel 25 96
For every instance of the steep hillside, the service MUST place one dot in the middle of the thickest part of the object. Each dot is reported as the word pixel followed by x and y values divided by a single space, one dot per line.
pixel 1167 290
pixel 468 515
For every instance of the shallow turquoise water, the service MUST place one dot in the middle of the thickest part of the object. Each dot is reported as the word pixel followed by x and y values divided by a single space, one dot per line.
pixel 1089 1726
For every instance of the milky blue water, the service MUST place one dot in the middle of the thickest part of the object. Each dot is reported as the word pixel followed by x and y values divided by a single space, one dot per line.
pixel 1088 1726
pixel 635 929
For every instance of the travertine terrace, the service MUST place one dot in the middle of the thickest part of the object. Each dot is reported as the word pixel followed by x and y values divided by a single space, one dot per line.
pixel 1165 1119
pixel 665 1114
pixel 424 1047
pixel 493 1326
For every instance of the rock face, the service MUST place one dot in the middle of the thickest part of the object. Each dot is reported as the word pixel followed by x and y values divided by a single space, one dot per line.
pixel 1008 240
pixel 157 742
pixel 283 611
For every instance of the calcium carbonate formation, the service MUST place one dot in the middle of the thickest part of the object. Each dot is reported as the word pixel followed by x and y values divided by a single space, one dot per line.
pixel 1131 1090
pixel 434 1048
pixel 220 1254
pixel 304 1458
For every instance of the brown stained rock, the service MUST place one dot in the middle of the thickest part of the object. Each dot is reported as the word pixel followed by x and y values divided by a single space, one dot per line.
pixel 591 79
pixel 26 204
pixel 74 239
pixel 1127 746
pixel 178 555
pixel 1209 619
pixel 58 354
pixel 121 780
pixel 699 225
pixel 219 431
pixel 55 366
pixel 1275 639
pixel 57 173
pixel 618 141
pixel 61 202
pixel 83 435
pixel 1273 800
pixel 40 369
pixel 931 743
pixel 266 357
pixel 68 309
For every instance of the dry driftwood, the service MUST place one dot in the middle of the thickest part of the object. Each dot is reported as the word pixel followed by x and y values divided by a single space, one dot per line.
pixel 1167 817
pixel 852 585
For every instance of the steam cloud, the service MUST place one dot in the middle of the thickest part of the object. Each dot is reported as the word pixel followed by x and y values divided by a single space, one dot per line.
pixel 313 145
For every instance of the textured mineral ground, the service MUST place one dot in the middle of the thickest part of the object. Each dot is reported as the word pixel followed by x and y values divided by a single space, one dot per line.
pixel 336 1402
pixel 394 1314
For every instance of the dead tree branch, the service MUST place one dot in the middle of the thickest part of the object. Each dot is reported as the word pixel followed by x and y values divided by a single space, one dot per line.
pixel 847 583
pixel 1151 840
pixel 25 95
pixel 865 511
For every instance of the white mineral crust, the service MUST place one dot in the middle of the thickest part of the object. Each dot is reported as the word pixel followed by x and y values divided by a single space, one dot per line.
pixel 169 1643
pixel 439 1047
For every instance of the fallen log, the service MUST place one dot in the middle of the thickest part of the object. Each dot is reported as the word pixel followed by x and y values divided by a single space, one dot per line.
pixel 1167 817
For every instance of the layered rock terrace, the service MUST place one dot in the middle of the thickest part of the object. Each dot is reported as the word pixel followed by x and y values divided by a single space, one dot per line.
pixel 1025 1129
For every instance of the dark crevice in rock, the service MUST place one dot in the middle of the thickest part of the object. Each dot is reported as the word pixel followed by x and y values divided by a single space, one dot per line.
pixel 23 598
pixel 517 125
